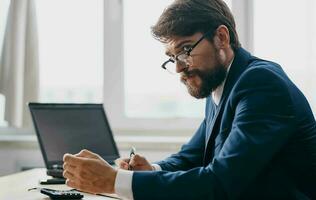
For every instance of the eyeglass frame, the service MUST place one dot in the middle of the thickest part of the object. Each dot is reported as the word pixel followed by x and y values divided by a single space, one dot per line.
pixel 185 52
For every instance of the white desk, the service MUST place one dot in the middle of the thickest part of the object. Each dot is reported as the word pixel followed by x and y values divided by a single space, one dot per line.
pixel 15 186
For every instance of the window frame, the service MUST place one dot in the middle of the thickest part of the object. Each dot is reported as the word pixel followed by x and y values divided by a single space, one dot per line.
pixel 4 12
pixel 114 70
pixel 244 18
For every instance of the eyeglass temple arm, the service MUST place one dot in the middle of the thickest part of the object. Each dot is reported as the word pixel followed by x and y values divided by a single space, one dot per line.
pixel 166 62
pixel 191 48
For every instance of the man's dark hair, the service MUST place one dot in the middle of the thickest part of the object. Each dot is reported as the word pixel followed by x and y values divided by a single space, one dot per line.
pixel 187 17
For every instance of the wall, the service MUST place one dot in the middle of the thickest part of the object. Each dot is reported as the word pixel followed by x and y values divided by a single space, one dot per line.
pixel 21 151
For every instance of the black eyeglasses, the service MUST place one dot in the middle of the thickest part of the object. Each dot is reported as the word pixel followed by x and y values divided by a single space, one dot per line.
pixel 184 59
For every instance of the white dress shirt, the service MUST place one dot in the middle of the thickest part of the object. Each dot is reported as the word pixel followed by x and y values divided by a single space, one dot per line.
pixel 217 94
pixel 123 181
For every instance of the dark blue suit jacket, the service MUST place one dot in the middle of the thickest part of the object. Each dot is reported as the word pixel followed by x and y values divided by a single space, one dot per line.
pixel 259 143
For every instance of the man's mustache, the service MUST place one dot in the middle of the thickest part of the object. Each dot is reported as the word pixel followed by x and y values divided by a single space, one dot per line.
pixel 187 74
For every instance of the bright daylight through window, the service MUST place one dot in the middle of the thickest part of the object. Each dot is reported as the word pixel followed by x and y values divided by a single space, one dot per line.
pixel 71 50
pixel 4 8
pixel 289 39
pixel 151 92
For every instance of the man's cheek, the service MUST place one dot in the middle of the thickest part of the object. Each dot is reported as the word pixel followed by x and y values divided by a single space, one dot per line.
pixel 194 81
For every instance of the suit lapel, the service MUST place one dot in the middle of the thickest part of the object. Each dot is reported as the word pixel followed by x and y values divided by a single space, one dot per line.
pixel 240 63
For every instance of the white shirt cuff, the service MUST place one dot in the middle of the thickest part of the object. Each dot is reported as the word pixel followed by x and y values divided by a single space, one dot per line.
pixel 123 184
pixel 156 167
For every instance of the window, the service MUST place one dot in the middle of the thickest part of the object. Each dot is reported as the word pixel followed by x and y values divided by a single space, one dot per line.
pixel 71 50
pixel 287 35
pixel 4 8
pixel 151 92
pixel 142 96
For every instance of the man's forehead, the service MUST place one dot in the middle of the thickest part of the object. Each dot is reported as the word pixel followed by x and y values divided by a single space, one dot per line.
pixel 176 42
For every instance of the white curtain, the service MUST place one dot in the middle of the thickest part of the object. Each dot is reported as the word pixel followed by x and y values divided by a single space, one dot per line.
pixel 19 72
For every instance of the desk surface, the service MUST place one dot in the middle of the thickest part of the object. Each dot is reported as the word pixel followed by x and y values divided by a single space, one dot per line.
pixel 15 186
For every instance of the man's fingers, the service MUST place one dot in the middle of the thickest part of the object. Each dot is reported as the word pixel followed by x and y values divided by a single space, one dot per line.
pixel 69 167
pixel 68 175
pixel 83 175
pixel 73 160
pixel 86 153
pixel 136 160
pixel 70 183
pixel 80 185
pixel 122 163
pixel 117 161
pixel 139 163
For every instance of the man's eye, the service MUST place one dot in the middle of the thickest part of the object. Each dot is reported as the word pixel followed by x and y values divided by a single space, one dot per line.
pixel 172 58
pixel 186 48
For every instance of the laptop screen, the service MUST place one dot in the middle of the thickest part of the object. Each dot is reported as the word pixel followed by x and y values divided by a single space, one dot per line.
pixel 69 128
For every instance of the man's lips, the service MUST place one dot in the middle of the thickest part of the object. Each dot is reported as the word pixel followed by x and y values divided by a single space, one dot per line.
pixel 189 74
pixel 185 78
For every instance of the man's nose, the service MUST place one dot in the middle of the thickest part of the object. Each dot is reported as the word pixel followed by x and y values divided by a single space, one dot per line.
pixel 180 66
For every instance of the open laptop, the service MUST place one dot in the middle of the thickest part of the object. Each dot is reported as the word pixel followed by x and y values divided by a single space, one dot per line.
pixel 69 128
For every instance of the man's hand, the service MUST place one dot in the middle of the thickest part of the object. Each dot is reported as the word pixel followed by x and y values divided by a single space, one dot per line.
pixel 137 162
pixel 88 172
pixel 88 154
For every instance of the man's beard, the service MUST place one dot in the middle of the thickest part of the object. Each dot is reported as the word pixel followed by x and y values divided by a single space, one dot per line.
pixel 210 80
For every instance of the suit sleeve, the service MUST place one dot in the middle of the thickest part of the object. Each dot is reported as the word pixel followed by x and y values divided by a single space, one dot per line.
pixel 190 155
pixel 263 122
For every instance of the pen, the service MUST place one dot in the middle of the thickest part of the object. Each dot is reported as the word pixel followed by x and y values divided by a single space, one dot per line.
pixel 131 153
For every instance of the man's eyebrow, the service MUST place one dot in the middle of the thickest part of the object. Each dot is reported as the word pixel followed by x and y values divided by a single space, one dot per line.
pixel 178 46
pixel 168 53
pixel 181 43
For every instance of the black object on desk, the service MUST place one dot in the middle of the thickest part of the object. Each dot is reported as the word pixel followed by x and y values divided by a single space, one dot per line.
pixel 55 172
pixel 52 181
pixel 62 194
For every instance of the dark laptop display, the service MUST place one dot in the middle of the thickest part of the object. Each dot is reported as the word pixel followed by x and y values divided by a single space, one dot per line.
pixel 69 128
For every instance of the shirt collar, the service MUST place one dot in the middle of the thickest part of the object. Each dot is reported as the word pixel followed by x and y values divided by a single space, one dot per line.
pixel 217 93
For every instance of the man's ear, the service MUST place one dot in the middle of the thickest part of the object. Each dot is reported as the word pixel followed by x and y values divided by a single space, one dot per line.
pixel 217 42
pixel 221 37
